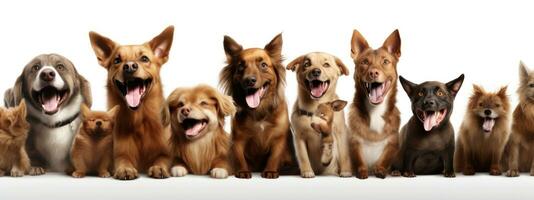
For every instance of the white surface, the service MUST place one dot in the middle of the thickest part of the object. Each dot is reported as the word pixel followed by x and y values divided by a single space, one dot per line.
pixel 440 40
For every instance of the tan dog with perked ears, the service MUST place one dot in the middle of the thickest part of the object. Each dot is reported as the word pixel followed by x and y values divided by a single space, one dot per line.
pixel 134 84
pixel 374 119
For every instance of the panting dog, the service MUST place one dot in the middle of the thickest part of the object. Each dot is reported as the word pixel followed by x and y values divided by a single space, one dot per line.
pixel 13 134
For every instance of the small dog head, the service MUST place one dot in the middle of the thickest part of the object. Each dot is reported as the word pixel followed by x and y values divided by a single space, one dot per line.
pixel 253 75
pixel 432 101
pixel 324 115
pixel 132 69
pixel 526 84
pixel 198 110
pixel 317 71
pixel 488 106
pixel 376 69
pixel 13 120
pixel 98 123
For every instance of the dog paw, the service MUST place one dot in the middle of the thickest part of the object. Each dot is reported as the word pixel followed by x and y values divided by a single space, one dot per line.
pixel 345 174
pixel 395 173
pixel 380 172
pixel 512 173
pixel 178 171
pixel 408 174
pixel 2 173
pixel 362 174
pixel 468 171
pixel 104 174
pixel 158 172
pixel 243 174
pixel 78 174
pixel 307 174
pixel 495 171
pixel 219 173
pixel 16 172
pixel 269 174
pixel 449 174
pixel 125 173
pixel 36 171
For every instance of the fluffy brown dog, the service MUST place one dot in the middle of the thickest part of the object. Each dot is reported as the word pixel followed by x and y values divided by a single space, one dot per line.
pixel 92 150
pixel 134 84
pixel 198 141
pixel 322 122
pixel 483 133
pixel 13 133
pixel 260 129
pixel 374 119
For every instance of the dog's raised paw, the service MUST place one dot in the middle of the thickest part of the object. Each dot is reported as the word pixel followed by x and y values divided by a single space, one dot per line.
pixel 178 171
pixel 219 173
pixel 36 171
pixel 512 173
pixel 243 174
pixel 269 174
pixel 125 173
pixel 307 174
pixel 158 172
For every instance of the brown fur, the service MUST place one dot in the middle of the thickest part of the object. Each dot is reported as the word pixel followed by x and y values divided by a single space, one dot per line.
pixel 477 150
pixel 13 133
pixel 322 122
pixel 139 133
pixel 208 151
pixel 382 61
pixel 92 150
pixel 261 136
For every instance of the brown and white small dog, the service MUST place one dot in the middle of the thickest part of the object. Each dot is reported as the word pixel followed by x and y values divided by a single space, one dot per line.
pixel 198 142
pixel 483 133
pixel 13 133
pixel 520 147
pixel 134 83
pixel 317 75
pixel 374 119
pixel 92 150
pixel 261 136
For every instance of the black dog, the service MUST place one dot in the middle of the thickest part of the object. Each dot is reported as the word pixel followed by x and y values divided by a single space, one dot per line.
pixel 427 140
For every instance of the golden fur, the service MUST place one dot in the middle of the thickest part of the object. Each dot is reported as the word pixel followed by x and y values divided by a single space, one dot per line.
pixel 13 133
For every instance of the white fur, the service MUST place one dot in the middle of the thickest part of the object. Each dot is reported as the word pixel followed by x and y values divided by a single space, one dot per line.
pixel 376 113
pixel 54 144
pixel 372 151
pixel 39 84
pixel 178 171
pixel 219 173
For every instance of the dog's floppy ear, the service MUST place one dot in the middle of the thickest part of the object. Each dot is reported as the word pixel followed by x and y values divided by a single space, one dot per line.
pixel 225 104
pixel 293 65
pixel 454 85
pixel 344 70
pixel 478 90
pixel 161 44
pixel 523 73
pixel 274 48
pixel 357 44
pixel 84 110
pixel 113 111
pixel 231 48
pixel 85 89
pixel 165 114
pixel 103 47
pixel 338 105
pixel 393 44
pixel 407 85
pixel 13 96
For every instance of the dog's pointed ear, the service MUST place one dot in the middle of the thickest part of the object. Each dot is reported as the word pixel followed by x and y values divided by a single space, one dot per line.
pixel 338 105
pixel 344 70
pixel 113 111
pixel 103 47
pixel 13 96
pixel 84 110
pixel 274 48
pixel 407 85
pixel 455 85
pixel 21 110
pixel 295 64
pixel 231 48
pixel 478 90
pixel 358 44
pixel 523 73
pixel 393 44
pixel 161 44
pixel 502 91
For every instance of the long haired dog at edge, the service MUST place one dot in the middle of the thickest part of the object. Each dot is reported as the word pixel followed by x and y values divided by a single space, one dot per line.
pixel 261 136
pixel 134 83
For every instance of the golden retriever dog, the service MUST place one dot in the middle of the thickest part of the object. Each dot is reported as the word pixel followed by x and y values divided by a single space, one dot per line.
pixel 317 75
pixel 13 134
pixel 198 142
pixel 134 83
pixel 255 78
pixel 483 133
pixel 374 119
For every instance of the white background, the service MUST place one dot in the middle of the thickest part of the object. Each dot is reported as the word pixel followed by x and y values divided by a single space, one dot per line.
pixel 440 40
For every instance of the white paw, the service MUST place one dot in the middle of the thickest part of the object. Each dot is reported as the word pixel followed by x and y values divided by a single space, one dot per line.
pixel 16 172
pixel 219 173
pixel 345 174
pixel 307 174
pixel 178 171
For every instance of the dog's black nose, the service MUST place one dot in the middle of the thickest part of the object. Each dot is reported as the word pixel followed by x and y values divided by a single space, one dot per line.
pixel 487 112
pixel 47 75
pixel 250 81
pixel 316 72
pixel 130 67
pixel 98 123
pixel 185 111
pixel 429 102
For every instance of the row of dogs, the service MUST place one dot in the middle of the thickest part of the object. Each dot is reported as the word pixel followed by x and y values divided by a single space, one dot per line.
pixel 49 125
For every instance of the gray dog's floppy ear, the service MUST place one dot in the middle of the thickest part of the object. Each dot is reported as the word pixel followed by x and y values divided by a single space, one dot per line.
pixel 407 85
pixel 454 85
pixel 85 89
pixel 13 96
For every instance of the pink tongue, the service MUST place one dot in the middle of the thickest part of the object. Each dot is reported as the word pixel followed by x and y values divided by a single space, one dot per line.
pixel 133 96
pixel 253 100
pixel 51 103
pixel 488 124
pixel 376 94
pixel 319 90
pixel 195 129
pixel 430 122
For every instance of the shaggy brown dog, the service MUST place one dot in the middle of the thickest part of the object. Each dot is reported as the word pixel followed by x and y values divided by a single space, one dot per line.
pixel 260 129
pixel 134 84
pixel 199 143
pixel 13 133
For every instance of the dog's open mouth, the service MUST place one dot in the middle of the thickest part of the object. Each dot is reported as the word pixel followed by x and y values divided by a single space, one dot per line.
pixel 193 127
pixel 133 90
pixel 254 95
pixel 488 124
pixel 377 91
pixel 430 118
pixel 50 98
pixel 317 87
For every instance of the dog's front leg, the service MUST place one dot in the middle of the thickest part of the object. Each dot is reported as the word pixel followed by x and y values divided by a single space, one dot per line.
pixel 278 147
pixel 448 161
pixel 21 165
pixel 409 161
pixel 306 170
pixel 345 165
pixel 179 168
pixel 385 160
pixel 125 156
pixel 238 148
pixel 513 157
pixel 160 168
pixel 105 165
pixel 220 167
pixel 496 156
pixel 362 172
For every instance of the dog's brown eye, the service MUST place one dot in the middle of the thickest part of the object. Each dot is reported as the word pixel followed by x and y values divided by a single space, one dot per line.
pixel 204 103
pixel 264 65
pixel 386 61
pixel 180 104
pixel 240 67
pixel 60 67
pixel 326 65
pixel 440 93
pixel 531 85
pixel 365 62
pixel 145 59
pixel 420 94
pixel 117 60
pixel 497 105
pixel 36 67
pixel 307 63
pixel 480 105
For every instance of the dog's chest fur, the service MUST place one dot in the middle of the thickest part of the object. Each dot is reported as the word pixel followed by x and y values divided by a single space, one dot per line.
pixel 199 154
pixel 54 144
pixel 376 116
